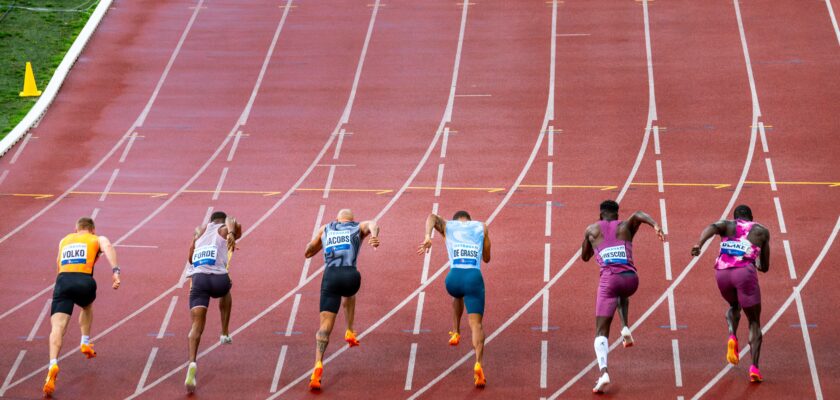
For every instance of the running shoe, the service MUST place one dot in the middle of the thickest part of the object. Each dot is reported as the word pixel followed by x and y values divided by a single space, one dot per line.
pixel 627 337
pixel 732 350
pixel 601 384
pixel 87 350
pixel 454 338
pixel 478 374
pixel 350 338
pixel 315 380
pixel 755 374
pixel 225 339
pixel 49 383
pixel 190 382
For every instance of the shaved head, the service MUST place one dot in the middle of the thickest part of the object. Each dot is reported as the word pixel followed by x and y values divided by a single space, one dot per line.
pixel 345 214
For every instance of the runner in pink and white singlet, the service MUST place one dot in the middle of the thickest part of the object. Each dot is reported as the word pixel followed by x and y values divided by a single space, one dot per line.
pixel 610 240
pixel 742 242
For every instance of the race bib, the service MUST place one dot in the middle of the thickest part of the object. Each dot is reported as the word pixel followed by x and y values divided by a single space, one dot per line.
pixel 736 248
pixel 614 255
pixel 465 254
pixel 75 253
pixel 338 240
pixel 204 255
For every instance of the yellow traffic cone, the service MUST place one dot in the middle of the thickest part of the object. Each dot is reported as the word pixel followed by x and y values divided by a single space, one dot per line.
pixel 30 89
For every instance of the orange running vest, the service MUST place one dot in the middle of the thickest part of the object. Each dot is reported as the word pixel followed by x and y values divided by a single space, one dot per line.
pixel 77 252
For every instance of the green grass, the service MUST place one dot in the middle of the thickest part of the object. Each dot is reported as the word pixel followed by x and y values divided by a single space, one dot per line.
pixel 41 37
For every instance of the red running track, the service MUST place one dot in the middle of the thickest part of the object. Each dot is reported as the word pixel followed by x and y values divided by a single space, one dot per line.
pixel 527 114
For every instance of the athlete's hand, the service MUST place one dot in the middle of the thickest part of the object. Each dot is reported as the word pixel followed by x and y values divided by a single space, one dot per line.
pixel 116 278
pixel 425 246
pixel 659 233
pixel 231 243
pixel 374 241
pixel 695 250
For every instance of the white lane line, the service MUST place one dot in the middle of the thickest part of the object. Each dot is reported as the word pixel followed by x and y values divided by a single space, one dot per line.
pixel 547 262
pixel 753 92
pixel 809 350
pixel 165 323
pixel 789 257
pixel 427 258
pixel 444 143
pixel 279 369
pixel 660 185
pixel 548 218
pixel 764 147
pixel 782 226
pixel 338 144
pixel 128 145
pixel 221 182
pixel 656 139
pixel 544 364
pixel 549 185
pixel 146 369
pixel 833 20
pixel 550 133
pixel 39 321
pixel 409 374
pixel 672 312
pixel 109 184
pixel 94 214
pixel 183 279
pixel 450 102
pixel 20 148
pixel 771 175
pixel 664 215
pixel 439 180
pixel 234 145
pixel 345 117
pixel 306 263
pixel 782 309
pixel 3 176
pixel 207 215
pixel 12 371
pixel 666 252
pixel 418 316
pixel 675 345
pixel 116 146
pixel 329 182
pixel 293 315
pixel 545 303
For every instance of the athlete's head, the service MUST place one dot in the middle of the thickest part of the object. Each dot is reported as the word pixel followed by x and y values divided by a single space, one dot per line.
pixel 345 214
pixel 743 212
pixel 461 215
pixel 609 209
pixel 219 216
pixel 85 224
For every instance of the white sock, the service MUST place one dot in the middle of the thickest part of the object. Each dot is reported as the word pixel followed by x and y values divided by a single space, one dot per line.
pixel 602 347
pixel 54 361
pixel 85 339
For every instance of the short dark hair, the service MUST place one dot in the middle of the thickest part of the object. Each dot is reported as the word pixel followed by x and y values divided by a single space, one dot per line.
pixel 218 215
pixel 609 206
pixel 85 223
pixel 461 214
pixel 743 212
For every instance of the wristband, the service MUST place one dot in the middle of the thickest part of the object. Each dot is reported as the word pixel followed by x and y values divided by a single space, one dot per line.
pixel 115 270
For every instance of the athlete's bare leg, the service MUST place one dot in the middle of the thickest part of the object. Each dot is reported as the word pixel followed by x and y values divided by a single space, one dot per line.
pixel 199 317
pixel 86 319
pixel 350 311
pixel 59 326
pixel 623 310
pixel 457 312
pixel 733 317
pixel 322 338
pixel 225 305
pixel 754 317
pixel 477 335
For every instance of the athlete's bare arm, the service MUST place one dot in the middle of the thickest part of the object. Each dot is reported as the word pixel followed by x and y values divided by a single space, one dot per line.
pixel 111 254
pixel 485 254
pixel 764 257
pixel 315 245
pixel 199 230
pixel 435 222
pixel 232 231
pixel 640 217
pixel 717 228
pixel 370 228
pixel 586 250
